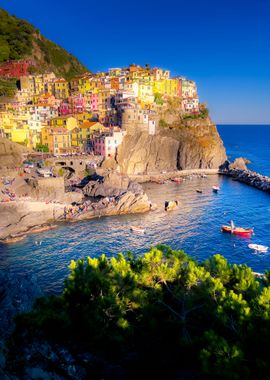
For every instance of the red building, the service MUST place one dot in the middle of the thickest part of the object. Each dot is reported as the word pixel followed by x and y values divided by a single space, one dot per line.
pixel 14 69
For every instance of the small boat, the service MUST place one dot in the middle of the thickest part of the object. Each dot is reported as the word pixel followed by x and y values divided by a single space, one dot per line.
pixel 258 247
pixel 137 229
pixel 246 232
pixel 215 188
pixel 199 191
pixel 177 179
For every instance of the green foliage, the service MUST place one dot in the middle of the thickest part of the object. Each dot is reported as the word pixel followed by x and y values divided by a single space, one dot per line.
pixel 4 50
pixel 161 312
pixel 8 87
pixel 158 98
pixel 19 39
pixel 163 123
pixel 61 172
pixel 64 64
pixel 202 114
pixel 16 37
pixel 42 148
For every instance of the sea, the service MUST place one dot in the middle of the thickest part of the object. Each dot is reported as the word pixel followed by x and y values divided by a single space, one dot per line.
pixel 194 227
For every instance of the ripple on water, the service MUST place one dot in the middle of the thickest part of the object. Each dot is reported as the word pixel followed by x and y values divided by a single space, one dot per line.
pixel 194 227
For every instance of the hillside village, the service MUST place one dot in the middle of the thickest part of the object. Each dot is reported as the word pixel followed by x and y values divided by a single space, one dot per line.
pixel 91 112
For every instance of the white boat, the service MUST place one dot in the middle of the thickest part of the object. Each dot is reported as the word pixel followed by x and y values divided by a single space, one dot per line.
pixel 258 247
pixel 215 188
pixel 137 229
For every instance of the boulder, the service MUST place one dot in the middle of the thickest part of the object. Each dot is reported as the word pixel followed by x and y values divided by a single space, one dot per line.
pixel 11 154
pixel 239 163
pixel 112 185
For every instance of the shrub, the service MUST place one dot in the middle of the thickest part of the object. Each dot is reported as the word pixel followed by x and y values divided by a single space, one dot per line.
pixel 161 312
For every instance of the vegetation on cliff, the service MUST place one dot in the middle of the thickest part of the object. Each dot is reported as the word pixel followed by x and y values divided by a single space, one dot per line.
pixel 162 315
pixel 21 40
pixel 8 87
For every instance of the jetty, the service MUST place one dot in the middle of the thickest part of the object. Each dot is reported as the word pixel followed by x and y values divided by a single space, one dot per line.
pixel 249 177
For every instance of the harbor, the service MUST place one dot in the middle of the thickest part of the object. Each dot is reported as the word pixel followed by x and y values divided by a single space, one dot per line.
pixel 194 226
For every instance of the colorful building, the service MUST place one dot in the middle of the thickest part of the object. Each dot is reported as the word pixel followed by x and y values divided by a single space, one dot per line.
pixel 84 133
pixel 61 89
pixel 58 140
pixel 68 122
pixel 106 145
pixel 189 89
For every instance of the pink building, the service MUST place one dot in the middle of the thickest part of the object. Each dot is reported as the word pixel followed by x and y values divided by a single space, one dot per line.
pixel 76 104
pixel 106 146
pixel 94 102
pixel 63 109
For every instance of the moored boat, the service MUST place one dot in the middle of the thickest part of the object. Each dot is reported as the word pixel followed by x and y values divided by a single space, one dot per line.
pixel 177 179
pixel 137 229
pixel 247 232
pixel 258 247
pixel 215 188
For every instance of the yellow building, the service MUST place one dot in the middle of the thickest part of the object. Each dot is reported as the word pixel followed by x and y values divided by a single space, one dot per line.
pixel 61 89
pixel 85 132
pixel 58 140
pixel 145 92
pixel 68 122
pixel 84 116
pixel 168 87
pixel 85 83
pixel 20 135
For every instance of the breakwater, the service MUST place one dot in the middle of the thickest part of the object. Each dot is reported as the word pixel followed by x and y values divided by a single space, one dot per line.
pixel 156 177
pixel 249 177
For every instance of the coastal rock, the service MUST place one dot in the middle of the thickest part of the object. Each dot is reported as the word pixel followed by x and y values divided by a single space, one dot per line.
pixel 20 216
pixel 132 203
pixel 189 145
pixel 250 178
pixel 112 185
pixel 11 154
pixel 27 216
pixel 239 163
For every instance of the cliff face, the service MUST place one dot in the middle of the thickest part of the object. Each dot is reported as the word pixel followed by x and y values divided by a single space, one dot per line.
pixel 195 144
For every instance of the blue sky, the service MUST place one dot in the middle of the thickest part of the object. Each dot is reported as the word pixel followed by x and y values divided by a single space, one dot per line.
pixel 222 44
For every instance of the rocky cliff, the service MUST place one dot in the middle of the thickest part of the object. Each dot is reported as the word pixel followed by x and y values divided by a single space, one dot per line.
pixel 11 154
pixel 189 144
pixel 112 185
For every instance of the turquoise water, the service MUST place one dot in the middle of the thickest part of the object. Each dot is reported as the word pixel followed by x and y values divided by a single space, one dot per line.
pixel 194 226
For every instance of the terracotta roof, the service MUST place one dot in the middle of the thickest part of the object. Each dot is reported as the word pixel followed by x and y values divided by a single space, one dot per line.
pixel 88 124
pixel 60 81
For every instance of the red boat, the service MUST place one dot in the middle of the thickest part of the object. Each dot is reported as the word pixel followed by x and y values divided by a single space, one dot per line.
pixel 177 180
pixel 247 232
